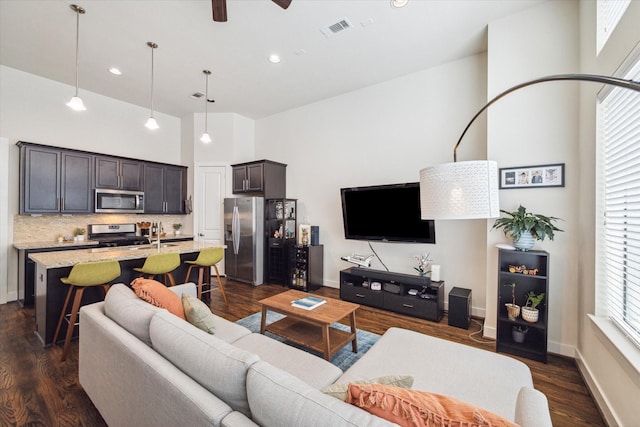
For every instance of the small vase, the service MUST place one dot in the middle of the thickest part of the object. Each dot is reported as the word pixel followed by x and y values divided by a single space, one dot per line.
pixel 422 274
pixel 525 242
pixel 513 311
pixel 177 232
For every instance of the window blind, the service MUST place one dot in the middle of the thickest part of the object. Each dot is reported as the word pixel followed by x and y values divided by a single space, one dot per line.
pixel 620 130
pixel 608 13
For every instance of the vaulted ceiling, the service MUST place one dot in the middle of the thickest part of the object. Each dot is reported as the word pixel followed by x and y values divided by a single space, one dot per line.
pixel 380 43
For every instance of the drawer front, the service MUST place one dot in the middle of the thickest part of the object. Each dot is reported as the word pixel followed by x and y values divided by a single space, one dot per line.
pixel 413 306
pixel 361 295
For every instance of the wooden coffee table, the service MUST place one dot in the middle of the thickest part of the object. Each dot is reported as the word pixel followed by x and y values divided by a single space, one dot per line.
pixel 311 328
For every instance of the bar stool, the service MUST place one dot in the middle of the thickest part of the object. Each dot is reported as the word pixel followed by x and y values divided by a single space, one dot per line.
pixel 207 258
pixel 82 276
pixel 160 264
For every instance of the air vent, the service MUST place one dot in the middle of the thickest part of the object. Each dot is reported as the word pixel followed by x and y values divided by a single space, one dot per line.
pixel 196 95
pixel 336 28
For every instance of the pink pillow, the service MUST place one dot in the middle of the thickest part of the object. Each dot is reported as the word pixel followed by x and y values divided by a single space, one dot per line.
pixel 157 294
pixel 420 408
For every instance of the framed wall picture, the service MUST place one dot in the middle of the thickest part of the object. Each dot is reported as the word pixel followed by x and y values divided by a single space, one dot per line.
pixel 532 176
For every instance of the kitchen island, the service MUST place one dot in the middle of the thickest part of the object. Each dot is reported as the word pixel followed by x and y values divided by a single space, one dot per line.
pixel 50 292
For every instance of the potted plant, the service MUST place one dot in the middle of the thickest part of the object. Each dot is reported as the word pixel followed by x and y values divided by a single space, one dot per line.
pixel 513 310
pixel 424 264
pixel 530 311
pixel 78 234
pixel 518 333
pixel 525 227
pixel 177 228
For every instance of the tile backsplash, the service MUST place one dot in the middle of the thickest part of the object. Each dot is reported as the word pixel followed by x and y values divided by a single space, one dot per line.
pixel 47 228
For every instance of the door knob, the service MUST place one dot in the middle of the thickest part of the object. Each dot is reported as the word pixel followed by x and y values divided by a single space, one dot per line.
pixel 200 234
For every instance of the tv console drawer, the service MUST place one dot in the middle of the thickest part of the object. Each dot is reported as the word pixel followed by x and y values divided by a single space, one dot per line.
pixel 361 295
pixel 413 306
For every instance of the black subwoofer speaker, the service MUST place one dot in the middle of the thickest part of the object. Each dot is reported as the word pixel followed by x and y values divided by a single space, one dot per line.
pixel 460 308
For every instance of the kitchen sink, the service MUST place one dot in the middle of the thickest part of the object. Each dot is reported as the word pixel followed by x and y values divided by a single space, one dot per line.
pixel 105 249
pixel 152 245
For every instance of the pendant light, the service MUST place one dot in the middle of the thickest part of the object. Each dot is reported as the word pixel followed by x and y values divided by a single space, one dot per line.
pixel 151 123
pixel 76 103
pixel 205 136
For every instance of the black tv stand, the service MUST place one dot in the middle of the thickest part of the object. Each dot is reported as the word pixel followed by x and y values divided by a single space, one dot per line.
pixel 394 295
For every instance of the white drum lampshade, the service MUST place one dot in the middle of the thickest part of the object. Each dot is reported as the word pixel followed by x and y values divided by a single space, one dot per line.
pixel 460 190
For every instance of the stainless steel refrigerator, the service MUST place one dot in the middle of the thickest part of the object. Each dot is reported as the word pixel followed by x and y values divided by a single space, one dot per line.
pixel 244 238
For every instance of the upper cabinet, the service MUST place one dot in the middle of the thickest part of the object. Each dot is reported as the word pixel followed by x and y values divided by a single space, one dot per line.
pixel 262 178
pixel 54 180
pixel 58 180
pixel 165 187
pixel 118 174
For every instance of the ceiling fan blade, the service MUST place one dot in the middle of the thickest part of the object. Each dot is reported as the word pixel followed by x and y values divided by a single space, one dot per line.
pixel 219 8
pixel 282 3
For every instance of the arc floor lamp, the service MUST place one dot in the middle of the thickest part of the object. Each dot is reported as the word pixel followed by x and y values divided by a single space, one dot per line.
pixel 469 190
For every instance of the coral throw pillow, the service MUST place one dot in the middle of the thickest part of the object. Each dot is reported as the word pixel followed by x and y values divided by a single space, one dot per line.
pixel 157 294
pixel 420 408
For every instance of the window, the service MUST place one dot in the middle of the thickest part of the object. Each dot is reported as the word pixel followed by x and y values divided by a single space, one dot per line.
pixel 608 14
pixel 619 197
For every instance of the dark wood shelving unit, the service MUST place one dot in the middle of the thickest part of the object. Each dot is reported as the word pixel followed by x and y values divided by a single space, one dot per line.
pixel 534 345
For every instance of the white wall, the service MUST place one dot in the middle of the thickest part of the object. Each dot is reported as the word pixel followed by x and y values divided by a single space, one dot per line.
pixel 534 126
pixel 614 384
pixel 384 134
pixel 4 219
pixel 33 109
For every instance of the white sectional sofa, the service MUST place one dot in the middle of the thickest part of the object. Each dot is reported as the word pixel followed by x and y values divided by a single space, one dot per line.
pixel 141 365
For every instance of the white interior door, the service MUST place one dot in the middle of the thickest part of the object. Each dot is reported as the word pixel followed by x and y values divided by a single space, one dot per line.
pixel 210 191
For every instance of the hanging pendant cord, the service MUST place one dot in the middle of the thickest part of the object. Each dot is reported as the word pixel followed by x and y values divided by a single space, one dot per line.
pixel 206 101
pixel 77 48
pixel 152 49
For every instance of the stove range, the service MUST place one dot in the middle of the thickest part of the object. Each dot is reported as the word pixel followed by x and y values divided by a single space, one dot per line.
pixel 112 235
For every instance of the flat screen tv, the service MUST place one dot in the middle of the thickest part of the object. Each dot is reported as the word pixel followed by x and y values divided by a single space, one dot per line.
pixel 388 213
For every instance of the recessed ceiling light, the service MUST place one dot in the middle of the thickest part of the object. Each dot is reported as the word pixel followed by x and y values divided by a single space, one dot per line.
pixel 274 58
pixel 116 71
pixel 399 3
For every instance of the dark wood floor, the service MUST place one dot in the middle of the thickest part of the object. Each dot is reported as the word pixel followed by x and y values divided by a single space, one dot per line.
pixel 36 389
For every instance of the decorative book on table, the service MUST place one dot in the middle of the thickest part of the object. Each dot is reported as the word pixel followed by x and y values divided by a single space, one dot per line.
pixel 308 302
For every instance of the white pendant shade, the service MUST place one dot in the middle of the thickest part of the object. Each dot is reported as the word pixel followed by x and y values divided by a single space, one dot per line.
pixel 152 124
pixel 76 104
pixel 205 138
pixel 460 190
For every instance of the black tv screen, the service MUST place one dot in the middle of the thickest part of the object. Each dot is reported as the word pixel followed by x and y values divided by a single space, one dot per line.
pixel 389 213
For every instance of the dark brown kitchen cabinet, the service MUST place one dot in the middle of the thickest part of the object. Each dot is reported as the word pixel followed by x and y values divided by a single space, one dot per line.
pixel 164 188
pixel 263 178
pixel 54 180
pixel 118 174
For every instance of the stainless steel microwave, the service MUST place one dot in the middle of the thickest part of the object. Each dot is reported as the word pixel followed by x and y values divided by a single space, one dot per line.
pixel 119 201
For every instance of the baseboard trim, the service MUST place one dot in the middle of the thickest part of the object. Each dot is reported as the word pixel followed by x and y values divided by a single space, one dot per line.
pixel 595 391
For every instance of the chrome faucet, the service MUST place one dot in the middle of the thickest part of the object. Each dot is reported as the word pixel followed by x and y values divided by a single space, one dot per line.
pixel 150 237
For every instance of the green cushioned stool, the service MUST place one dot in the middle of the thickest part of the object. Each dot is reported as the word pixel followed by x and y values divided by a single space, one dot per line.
pixel 160 264
pixel 82 276
pixel 207 258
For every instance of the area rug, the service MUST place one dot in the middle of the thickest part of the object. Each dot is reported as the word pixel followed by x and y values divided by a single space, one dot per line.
pixel 343 359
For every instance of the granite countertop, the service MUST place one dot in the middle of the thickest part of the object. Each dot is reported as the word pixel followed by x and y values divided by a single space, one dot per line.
pixel 60 259
pixel 71 243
